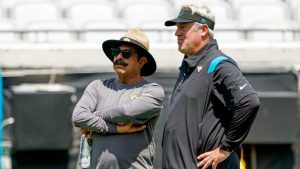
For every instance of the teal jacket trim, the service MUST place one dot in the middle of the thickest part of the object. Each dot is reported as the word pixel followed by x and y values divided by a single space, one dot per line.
pixel 213 64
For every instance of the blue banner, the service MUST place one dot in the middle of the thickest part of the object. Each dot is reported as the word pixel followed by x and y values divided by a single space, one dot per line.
pixel 1 115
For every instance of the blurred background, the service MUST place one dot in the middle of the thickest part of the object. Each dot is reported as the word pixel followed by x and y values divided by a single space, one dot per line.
pixel 50 50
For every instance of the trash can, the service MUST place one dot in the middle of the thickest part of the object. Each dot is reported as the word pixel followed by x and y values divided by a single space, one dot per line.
pixel 42 129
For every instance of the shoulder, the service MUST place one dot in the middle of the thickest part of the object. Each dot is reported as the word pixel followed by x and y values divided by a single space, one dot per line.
pixel 95 83
pixel 220 62
pixel 92 87
pixel 151 85
pixel 222 65
pixel 108 81
pixel 100 82
pixel 155 88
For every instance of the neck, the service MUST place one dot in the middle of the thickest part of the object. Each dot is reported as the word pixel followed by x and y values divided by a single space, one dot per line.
pixel 129 80
pixel 197 48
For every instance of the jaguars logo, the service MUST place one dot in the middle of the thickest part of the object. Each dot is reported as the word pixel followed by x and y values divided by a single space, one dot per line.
pixel 181 13
pixel 203 20
pixel 134 96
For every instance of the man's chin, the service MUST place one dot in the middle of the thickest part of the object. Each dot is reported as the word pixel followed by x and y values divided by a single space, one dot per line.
pixel 180 49
pixel 120 70
pixel 183 51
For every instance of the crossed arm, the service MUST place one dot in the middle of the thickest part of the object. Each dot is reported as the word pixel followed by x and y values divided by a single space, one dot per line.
pixel 120 118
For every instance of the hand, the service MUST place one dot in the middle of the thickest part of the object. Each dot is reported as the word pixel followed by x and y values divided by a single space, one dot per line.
pixel 212 158
pixel 88 134
pixel 83 131
pixel 130 128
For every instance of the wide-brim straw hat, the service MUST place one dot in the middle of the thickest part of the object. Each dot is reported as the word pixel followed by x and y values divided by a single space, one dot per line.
pixel 138 40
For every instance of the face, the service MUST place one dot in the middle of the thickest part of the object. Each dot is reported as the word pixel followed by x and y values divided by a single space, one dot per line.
pixel 189 38
pixel 126 62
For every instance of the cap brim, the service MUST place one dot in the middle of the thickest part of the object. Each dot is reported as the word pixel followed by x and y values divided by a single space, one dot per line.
pixel 177 20
pixel 148 69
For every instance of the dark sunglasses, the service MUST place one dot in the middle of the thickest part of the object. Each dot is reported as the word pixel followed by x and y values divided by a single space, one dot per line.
pixel 126 53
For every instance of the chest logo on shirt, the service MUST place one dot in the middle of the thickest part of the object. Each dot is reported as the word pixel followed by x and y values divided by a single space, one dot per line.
pixel 134 96
pixel 199 68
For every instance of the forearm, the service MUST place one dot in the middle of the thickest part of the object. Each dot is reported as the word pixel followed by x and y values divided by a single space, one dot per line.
pixel 84 118
pixel 243 116
pixel 137 111
pixel 122 115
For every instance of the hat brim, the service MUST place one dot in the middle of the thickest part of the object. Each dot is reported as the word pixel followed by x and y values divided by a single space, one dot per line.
pixel 177 20
pixel 148 69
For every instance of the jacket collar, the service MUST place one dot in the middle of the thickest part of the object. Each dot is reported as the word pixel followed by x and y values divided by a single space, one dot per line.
pixel 189 63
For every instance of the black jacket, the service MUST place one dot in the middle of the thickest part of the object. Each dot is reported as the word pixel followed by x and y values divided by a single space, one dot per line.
pixel 212 105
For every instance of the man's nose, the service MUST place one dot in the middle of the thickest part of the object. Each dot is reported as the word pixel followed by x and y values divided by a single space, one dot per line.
pixel 177 32
pixel 119 56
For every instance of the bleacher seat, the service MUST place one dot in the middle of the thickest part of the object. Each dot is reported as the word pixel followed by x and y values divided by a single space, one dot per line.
pixel 292 3
pixel 178 3
pixel 277 31
pixel 121 4
pixel 1 12
pixel 7 5
pixel 259 11
pixel 296 13
pixel 236 3
pixel 99 31
pixel 295 8
pixel 7 37
pixel 59 32
pixel 26 12
pixel 65 4
pixel 228 31
pixel 157 32
pixel 222 10
pixel 138 13
pixel 83 12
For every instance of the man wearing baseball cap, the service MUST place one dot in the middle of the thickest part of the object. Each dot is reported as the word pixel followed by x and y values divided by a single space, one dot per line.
pixel 212 106
pixel 122 111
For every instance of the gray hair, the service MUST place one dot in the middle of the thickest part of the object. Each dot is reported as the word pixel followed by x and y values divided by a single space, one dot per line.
pixel 202 10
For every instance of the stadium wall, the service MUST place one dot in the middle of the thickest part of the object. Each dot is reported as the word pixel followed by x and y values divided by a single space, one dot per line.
pixel 248 55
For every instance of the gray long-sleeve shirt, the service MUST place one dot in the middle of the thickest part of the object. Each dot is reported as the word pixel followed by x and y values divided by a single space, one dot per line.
pixel 108 102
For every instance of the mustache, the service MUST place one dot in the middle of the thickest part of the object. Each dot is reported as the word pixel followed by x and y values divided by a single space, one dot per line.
pixel 120 62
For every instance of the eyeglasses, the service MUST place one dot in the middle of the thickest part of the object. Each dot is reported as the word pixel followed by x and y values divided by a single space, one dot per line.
pixel 126 53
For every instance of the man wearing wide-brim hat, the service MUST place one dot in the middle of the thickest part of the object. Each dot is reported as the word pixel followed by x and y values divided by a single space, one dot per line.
pixel 122 111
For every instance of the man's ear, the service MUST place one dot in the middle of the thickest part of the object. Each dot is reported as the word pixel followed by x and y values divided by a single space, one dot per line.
pixel 142 61
pixel 204 30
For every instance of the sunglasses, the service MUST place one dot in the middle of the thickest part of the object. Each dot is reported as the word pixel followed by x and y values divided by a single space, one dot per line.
pixel 126 53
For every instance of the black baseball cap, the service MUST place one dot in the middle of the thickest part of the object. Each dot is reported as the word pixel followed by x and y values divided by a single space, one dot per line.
pixel 186 15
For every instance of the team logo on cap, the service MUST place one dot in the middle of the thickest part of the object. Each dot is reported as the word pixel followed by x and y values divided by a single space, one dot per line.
pixel 202 20
pixel 181 13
